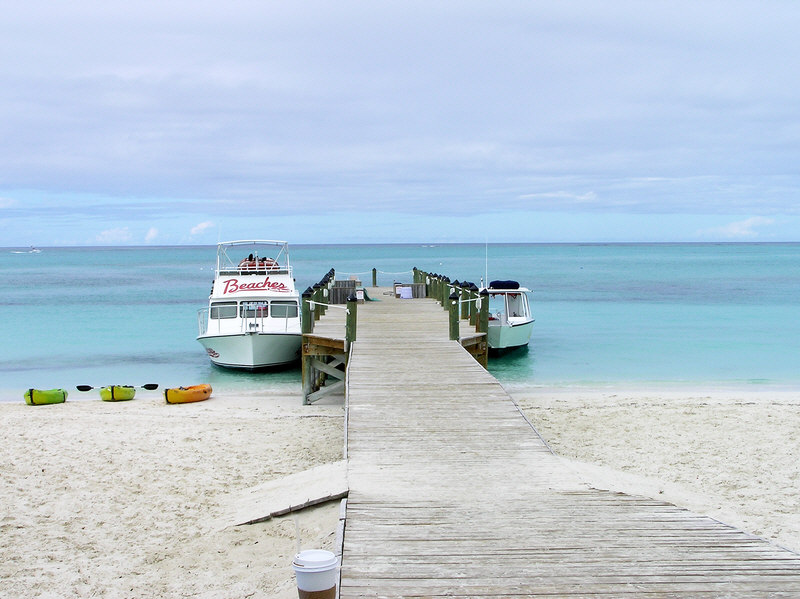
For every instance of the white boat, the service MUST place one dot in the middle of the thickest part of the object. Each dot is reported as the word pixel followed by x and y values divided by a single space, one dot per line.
pixel 253 316
pixel 510 319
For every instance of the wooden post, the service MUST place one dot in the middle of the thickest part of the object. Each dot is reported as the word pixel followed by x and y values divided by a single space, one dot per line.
pixel 317 298
pixel 473 306
pixel 453 301
pixel 307 324
pixel 464 300
pixel 323 292
pixel 374 277
pixel 483 319
pixel 445 292
pixel 352 321
pixel 306 321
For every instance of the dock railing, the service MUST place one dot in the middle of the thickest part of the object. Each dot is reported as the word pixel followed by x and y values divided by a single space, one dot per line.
pixel 465 303
pixel 325 353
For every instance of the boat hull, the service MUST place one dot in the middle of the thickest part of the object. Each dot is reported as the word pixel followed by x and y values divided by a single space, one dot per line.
pixel 117 393
pixel 252 351
pixel 187 394
pixel 504 337
pixel 40 397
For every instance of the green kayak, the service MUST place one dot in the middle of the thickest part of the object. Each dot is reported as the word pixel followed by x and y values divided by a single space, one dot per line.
pixel 39 397
pixel 117 393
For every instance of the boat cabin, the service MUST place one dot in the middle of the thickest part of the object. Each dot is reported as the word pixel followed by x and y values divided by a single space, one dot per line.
pixel 508 302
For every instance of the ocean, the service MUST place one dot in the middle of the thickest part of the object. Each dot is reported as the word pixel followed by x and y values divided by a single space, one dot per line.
pixel 607 315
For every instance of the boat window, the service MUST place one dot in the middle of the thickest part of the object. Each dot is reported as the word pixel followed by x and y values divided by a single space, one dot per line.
pixel 254 309
pixel 223 310
pixel 284 309
pixel 497 304
pixel 515 304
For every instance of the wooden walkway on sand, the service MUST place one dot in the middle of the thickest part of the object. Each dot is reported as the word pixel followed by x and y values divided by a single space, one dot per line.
pixel 452 492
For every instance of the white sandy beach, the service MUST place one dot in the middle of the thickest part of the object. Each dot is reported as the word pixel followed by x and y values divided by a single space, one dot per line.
pixel 732 455
pixel 125 499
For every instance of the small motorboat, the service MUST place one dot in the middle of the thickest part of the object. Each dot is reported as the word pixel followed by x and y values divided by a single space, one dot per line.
pixel 510 319
pixel 117 393
pixel 187 394
pixel 40 397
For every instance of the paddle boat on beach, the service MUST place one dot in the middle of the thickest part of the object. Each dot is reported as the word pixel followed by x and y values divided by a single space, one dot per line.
pixel 253 316
pixel 40 397
pixel 187 394
pixel 510 319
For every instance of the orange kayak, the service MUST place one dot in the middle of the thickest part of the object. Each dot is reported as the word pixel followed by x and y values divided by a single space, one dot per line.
pixel 187 394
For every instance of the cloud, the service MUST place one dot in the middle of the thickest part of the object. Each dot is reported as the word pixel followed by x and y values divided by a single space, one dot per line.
pixel 740 229
pixel 564 197
pixel 152 233
pixel 153 112
pixel 196 230
pixel 114 236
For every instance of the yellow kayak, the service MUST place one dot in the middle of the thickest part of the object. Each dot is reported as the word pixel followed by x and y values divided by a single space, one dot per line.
pixel 187 394
pixel 117 393
pixel 40 397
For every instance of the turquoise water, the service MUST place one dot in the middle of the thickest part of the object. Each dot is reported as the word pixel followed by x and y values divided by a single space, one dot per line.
pixel 618 314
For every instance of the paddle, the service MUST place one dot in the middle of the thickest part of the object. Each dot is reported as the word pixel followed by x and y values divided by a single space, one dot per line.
pixel 149 386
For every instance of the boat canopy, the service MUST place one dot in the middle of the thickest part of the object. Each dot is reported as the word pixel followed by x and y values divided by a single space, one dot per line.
pixel 234 256
pixel 504 285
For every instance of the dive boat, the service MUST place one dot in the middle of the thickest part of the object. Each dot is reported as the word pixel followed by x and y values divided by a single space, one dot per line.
pixel 253 316
pixel 510 320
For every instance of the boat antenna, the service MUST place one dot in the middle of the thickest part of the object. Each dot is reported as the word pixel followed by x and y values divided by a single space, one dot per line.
pixel 486 264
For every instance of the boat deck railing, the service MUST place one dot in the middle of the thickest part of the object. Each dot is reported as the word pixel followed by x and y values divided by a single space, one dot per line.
pixel 238 271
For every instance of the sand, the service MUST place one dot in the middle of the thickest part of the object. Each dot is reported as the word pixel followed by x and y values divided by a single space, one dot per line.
pixel 126 499
pixel 730 454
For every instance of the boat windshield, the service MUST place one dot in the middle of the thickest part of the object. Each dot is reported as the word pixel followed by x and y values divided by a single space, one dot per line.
pixel 503 306
pixel 254 309
pixel 223 310
pixel 284 309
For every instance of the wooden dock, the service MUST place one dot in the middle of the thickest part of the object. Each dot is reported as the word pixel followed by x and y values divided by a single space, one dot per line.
pixel 453 493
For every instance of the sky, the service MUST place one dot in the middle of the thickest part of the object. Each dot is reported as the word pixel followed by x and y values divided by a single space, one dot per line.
pixel 191 122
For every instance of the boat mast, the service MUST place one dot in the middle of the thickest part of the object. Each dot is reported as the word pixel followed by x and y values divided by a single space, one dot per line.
pixel 486 264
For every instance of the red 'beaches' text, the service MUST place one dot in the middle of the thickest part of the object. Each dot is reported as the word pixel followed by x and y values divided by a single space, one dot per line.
pixel 233 286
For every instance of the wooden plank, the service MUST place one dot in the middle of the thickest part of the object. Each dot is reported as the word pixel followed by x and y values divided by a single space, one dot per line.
pixel 337 387
pixel 328 368
pixel 288 494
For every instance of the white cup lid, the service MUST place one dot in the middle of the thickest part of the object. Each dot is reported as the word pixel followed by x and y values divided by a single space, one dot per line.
pixel 314 560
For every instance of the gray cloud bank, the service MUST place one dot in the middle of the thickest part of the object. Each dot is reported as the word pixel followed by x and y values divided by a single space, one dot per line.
pixel 639 107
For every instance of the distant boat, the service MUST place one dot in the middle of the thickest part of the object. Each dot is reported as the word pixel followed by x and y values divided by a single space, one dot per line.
pixel 510 319
pixel 33 250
